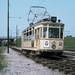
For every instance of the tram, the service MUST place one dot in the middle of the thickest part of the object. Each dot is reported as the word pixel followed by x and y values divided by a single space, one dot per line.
pixel 46 35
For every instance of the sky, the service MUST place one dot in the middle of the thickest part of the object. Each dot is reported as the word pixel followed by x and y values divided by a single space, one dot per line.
pixel 63 9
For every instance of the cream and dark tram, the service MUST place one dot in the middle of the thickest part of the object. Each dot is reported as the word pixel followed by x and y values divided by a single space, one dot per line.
pixel 46 35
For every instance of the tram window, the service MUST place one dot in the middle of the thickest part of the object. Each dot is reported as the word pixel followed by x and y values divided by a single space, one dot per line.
pixel 27 36
pixel 40 32
pixel 61 33
pixel 45 32
pixel 24 37
pixel 53 33
pixel 32 35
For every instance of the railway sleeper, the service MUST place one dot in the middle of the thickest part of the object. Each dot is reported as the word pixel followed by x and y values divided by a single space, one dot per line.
pixel 72 73
pixel 67 70
pixel 61 68
pixel 50 64
pixel 55 66
pixel 38 61
pixel 44 63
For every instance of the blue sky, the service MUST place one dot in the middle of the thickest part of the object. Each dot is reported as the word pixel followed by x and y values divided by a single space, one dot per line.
pixel 63 9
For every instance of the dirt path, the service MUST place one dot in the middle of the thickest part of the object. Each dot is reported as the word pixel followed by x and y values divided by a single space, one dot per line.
pixel 18 64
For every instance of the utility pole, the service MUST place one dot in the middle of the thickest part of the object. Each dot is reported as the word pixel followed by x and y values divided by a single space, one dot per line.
pixel 16 35
pixel 8 26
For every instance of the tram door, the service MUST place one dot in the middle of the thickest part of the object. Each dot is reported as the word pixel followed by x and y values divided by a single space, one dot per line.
pixel 37 38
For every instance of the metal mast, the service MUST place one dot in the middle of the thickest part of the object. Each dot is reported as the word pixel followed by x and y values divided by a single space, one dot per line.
pixel 8 26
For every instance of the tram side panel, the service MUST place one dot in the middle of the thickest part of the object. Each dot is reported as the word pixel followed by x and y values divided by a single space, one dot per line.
pixel 29 45
pixel 51 45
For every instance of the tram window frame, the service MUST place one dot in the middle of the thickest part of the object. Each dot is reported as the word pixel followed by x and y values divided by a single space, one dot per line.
pixel 61 33
pixel 45 32
pixel 53 33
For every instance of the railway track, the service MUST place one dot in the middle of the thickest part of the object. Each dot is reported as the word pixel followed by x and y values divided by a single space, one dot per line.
pixel 65 65
pixel 71 53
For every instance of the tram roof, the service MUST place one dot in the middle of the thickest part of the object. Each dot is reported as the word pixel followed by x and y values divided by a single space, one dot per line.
pixel 43 22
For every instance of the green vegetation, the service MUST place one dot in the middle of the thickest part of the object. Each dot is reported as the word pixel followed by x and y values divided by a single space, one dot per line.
pixel 2 65
pixel 6 43
pixel 18 42
pixel 69 43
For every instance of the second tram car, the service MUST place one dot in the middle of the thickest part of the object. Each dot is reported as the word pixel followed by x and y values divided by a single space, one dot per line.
pixel 46 35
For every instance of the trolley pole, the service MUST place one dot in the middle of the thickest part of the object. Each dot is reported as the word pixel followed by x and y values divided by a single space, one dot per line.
pixel 8 26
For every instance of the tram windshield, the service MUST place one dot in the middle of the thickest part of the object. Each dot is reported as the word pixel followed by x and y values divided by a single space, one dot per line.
pixel 53 33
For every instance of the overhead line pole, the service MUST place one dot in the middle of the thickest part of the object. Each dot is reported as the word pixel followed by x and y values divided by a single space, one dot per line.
pixel 8 26
pixel 16 35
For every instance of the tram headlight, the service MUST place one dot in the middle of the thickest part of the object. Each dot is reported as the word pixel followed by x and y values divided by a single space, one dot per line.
pixel 53 19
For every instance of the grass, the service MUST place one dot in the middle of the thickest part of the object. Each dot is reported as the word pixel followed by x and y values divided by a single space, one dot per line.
pixel 2 65
pixel 69 43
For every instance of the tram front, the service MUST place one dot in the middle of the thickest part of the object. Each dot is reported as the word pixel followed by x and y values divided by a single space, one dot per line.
pixel 52 34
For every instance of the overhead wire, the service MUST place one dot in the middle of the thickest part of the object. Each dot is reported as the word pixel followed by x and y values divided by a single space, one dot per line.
pixel 41 2
pixel 20 17
pixel 16 13
pixel 24 14
pixel 13 10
